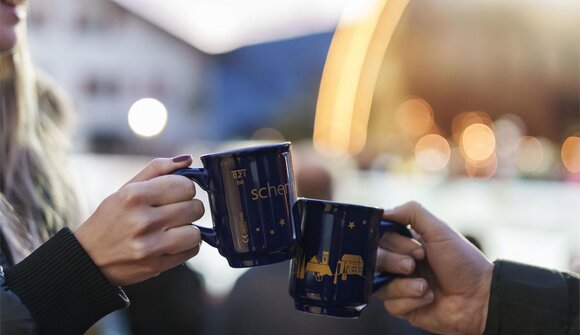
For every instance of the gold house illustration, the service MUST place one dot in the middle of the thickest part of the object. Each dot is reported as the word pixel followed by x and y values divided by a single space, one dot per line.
pixel 318 268
pixel 347 265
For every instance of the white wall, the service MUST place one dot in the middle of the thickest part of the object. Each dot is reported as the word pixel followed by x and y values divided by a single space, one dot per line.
pixel 76 40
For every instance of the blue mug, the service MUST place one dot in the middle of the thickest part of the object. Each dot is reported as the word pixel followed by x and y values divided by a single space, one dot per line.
pixel 333 271
pixel 251 192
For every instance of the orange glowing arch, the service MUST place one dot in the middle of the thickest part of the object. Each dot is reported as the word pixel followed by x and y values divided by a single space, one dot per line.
pixel 349 79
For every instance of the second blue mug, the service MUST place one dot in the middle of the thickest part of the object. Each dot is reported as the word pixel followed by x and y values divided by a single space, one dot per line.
pixel 333 272
pixel 251 193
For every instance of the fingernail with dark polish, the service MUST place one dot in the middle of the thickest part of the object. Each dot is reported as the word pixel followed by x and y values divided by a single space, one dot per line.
pixel 181 158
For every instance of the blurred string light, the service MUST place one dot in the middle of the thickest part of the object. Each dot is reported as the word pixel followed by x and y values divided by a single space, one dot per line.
pixel 147 117
pixel 349 78
pixel 268 134
pixel 484 169
pixel 529 154
pixel 477 142
pixel 432 152
pixel 550 157
pixel 463 120
pixel 415 116
pixel 508 130
pixel 571 154
pixel 536 156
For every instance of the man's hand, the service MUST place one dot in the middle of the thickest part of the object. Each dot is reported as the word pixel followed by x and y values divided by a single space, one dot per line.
pixel 448 291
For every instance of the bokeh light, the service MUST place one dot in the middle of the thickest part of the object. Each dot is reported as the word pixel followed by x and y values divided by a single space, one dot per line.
pixel 508 130
pixel 550 149
pixel 465 119
pixel 147 117
pixel 529 154
pixel 571 154
pixel 432 152
pixel 268 134
pixel 485 169
pixel 477 142
pixel 415 116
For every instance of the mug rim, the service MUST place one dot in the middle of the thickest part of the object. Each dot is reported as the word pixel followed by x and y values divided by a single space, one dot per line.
pixel 336 203
pixel 245 150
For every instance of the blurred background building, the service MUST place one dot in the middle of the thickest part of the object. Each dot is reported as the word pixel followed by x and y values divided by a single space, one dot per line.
pixel 111 54
pixel 471 108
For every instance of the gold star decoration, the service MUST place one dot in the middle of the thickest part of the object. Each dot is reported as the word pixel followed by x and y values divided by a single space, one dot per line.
pixel 258 229
pixel 272 232
pixel 364 222
pixel 282 222
pixel 351 225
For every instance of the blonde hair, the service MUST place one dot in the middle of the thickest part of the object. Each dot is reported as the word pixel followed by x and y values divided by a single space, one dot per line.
pixel 35 198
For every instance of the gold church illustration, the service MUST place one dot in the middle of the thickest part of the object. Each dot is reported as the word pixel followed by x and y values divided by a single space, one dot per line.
pixel 347 265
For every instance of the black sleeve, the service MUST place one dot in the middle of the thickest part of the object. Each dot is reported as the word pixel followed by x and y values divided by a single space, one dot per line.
pixel 15 318
pixel 63 289
pixel 533 301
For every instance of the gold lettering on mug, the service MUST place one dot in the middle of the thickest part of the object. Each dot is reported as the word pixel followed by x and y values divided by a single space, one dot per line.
pixel 269 191
pixel 239 176
pixel 349 265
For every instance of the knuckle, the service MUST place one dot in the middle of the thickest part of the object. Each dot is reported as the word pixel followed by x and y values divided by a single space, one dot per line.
pixel 139 250
pixel 157 164
pixel 143 221
pixel 130 195
pixel 416 206
pixel 152 218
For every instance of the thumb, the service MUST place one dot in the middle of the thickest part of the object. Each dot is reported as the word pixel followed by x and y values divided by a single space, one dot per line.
pixel 415 215
pixel 162 166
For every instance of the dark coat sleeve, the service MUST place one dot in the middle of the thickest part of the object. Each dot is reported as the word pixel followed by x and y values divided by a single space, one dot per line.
pixel 15 318
pixel 534 301
pixel 61 289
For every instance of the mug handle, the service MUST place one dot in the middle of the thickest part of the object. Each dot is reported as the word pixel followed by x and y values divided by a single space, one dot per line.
pixel 200 177
pixel 387 226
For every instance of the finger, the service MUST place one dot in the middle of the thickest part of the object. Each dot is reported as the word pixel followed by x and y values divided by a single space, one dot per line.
pixel 402 306
pixel 391 262
pixel 180 239
pixel 171 261
pixel 166 190
pixel 178 214
pixel 412 213
pixel 162 166
pixel 403 288
pixel 402 245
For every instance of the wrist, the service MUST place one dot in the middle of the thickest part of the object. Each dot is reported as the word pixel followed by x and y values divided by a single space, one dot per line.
pixel 483 300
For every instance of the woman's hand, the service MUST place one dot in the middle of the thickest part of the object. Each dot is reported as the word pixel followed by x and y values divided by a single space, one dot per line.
pixel 448 292
pixel 144 228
